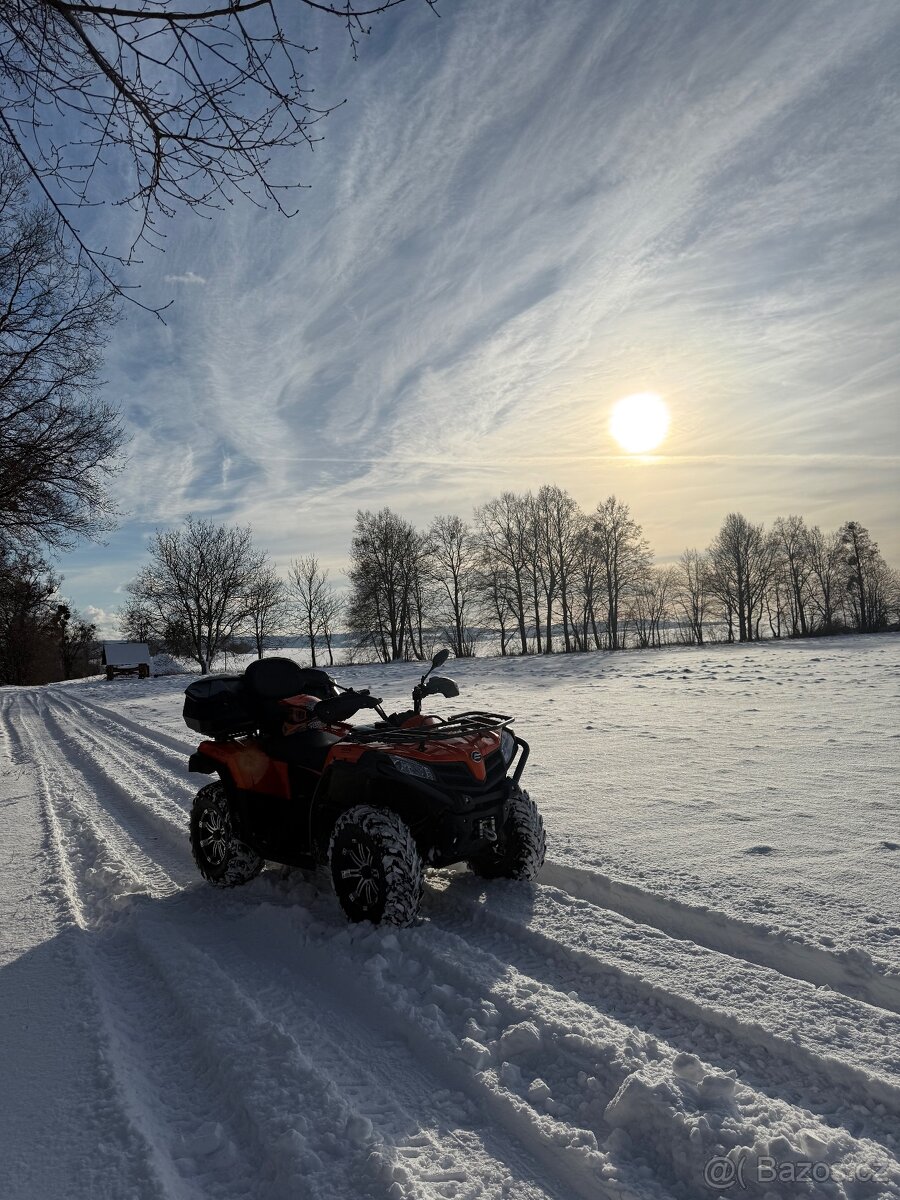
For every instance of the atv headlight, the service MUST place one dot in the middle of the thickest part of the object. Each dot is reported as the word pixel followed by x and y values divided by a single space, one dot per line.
pixel 411 766
pixel 507 746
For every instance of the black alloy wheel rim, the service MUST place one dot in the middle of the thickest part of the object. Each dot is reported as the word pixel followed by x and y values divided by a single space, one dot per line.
pixel 361 877
pixel 213 830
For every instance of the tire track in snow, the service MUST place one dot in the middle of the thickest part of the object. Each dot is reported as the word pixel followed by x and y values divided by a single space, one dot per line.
pixel 566 1154
pixel 158 828
pixel 57 831
pixel 181 1121
pixel 239 1104
pixel 852 972
pixel 174 748
pixel 438 1032
pixel 92 834
pixel 409 1097
pixel 572 945
pixel 141 757
pixel 598 1080
pixel 138 1004
pixel 585 1031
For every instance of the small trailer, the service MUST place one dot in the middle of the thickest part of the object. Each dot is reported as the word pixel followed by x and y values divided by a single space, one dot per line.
pixel 126 658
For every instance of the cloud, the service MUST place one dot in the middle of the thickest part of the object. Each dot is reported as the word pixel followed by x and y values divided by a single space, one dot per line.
pixel 187 277
pixel 105 621
pixel 518 217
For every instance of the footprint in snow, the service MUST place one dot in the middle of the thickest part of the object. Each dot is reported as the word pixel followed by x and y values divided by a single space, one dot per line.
pixel 760 850
pixel 890 846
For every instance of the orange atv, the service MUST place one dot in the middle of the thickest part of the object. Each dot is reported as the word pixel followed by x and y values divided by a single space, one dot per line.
pixel 377 803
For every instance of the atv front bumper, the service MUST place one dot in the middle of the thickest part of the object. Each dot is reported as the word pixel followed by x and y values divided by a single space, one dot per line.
pixel 458 835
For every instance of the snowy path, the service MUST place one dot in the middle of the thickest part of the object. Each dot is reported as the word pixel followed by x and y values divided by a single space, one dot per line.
pixel 576 1038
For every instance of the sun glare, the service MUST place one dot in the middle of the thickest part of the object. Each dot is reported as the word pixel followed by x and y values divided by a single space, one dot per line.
pixel 640 422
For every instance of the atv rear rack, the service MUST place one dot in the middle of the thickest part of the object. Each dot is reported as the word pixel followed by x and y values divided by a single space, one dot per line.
pixel 461 725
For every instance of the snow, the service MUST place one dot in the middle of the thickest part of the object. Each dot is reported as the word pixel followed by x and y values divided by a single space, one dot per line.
pixel 700 997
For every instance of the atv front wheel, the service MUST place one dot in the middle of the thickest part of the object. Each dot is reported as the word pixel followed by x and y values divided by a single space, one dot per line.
pixel 524 844
pixel 375 867
pixel 221 858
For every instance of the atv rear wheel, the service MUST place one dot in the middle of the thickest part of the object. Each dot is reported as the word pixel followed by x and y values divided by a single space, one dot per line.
pixel 524 844
pixel 375 867
pixel 222 859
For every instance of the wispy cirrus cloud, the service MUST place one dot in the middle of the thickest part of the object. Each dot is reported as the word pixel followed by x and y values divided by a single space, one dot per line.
pixel 189 277
pixel 519 216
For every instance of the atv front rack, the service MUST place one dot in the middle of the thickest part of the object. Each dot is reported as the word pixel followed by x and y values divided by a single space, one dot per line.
pixel 461 725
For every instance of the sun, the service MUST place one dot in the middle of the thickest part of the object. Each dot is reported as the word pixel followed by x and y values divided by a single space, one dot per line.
pixel 640 422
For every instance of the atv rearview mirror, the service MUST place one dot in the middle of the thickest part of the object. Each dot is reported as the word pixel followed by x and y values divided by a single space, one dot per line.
pixel 438 661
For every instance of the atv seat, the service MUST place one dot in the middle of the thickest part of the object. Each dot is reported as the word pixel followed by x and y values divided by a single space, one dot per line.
pixel 308 748
pixel 268 681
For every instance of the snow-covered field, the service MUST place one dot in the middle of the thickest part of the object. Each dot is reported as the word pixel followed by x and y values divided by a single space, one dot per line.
pixel 701 997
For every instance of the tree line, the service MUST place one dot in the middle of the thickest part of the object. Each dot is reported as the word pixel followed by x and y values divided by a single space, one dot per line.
pixel 531 573
pixel 534 573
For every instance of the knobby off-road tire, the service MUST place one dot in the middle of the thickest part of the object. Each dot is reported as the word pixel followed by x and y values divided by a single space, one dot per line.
pixel 524 844
pixel 222 859
pixel 375 867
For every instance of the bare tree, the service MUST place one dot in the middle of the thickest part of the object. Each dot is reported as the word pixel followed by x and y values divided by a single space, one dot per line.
pixel 794 549
pixel 314 601
pixel 266 606
pixel 331 610
pixel 386 562
pixel 742 561
pixel 495 591
pixel 420 589
pixel 58 442
pixel 136 623
pixel 451 566
pixel 826 561
pixel 624 558
pixel 691 592
pixel 198 581
pixel 649 605
pixel 504 534
pixel 585 590
pixel 557 523
pixel 173 105
pixel 867 577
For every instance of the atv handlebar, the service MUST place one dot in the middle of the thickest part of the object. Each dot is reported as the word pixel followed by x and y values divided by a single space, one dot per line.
pixel 340 708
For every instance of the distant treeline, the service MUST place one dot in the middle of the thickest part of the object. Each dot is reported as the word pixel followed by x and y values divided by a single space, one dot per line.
pixel 547 577
pixel 531 573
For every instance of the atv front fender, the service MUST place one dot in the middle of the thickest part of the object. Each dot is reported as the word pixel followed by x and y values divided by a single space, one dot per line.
pixel 203 764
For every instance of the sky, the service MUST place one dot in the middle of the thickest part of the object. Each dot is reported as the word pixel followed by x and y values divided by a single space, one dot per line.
pixel 524 212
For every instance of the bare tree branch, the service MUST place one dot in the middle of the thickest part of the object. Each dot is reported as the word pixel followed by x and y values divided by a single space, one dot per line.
pixel 196 106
